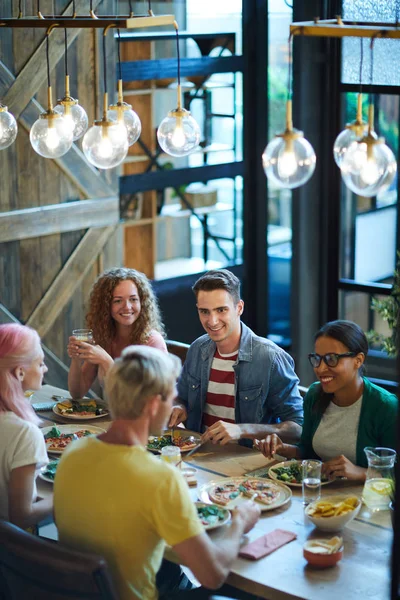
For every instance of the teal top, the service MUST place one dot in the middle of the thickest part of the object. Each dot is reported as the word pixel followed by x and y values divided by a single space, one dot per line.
pixel 377 425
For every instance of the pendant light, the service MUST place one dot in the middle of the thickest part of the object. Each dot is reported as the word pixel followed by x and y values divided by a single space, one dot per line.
pixel 122 112
pixel 289 159
pixel 179 133
pixel 49 135
pixel 369 165
pixel 75 116
pixel 105 144
pixel 355 130
pixel 8 127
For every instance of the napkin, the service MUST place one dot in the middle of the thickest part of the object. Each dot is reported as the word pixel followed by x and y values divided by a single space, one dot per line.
pixel 267 544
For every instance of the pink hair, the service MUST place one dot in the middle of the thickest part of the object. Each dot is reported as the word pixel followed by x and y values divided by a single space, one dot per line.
pixel 18 348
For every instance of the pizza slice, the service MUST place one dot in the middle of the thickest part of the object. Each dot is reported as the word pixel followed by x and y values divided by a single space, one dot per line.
pixel 266 492
pixel 224 493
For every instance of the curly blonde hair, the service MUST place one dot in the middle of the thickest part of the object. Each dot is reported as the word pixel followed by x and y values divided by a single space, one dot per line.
pixel 99 317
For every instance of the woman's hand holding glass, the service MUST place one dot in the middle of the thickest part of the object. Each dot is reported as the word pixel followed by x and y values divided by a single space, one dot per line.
pixel 96 355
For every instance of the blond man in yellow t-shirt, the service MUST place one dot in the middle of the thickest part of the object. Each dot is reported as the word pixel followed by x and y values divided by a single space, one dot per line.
pixel 113 498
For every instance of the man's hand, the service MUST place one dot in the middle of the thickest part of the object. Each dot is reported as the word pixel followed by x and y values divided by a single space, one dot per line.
pixel 340 466
pixel 271 445
pixel 178 414
pixel 222 433
pixel 249 512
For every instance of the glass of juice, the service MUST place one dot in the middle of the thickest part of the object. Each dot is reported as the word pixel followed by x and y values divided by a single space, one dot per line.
pixel 83 335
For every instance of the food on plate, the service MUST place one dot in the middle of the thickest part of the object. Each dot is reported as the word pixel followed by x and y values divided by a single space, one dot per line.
pixel 157 443
pixel 211 515
pixel 291 473
pixel 85 407
pixel 324 546
pixel 55 440
pixel 50 470
pixel 325 509
pixel 223 493
pixel 323 553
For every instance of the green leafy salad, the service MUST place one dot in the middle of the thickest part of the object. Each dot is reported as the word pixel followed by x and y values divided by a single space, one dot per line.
pixel 159 442
pixel 292 473
pixel 50 470
pixel 211 515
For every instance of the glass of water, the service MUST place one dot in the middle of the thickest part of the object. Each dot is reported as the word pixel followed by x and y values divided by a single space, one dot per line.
pixel 83 335
pixel 311 480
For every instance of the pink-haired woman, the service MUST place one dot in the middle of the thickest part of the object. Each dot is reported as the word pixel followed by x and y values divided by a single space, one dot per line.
pixel 22 447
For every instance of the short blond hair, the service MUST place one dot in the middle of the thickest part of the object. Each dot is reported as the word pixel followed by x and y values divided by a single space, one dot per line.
pixel 140 373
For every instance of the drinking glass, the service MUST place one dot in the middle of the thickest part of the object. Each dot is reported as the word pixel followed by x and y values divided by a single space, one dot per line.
pixel 311 480
pixel 171 455
pixel 83 335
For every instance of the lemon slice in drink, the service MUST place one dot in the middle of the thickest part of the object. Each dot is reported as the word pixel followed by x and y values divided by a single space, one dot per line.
pixel 382 487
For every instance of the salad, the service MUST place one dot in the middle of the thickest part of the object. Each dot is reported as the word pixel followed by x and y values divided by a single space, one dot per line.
pixel 211 515
pixel 50 470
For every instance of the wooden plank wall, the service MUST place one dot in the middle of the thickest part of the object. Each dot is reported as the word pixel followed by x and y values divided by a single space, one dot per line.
pixel 35 283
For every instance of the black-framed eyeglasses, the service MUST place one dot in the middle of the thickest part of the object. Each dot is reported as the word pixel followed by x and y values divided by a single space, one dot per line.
pixel 331 359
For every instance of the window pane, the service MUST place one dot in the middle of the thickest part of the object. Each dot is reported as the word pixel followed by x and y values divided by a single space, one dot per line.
pixel 386 52
pixel 279 201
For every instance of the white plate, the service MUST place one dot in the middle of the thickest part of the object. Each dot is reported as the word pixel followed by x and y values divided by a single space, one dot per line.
pixel 78 416
pixel 179 432
pixel 284 496
pixel 43 471
pixel 69 429
pixel 287 463
pixel 220 523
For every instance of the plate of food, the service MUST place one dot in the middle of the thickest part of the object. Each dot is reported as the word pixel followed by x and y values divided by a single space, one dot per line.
pixel 229 492
pixel 83 409
pixel 58 437
pixel 212 516
pixel 291 473
pixel 183 438
pixel 49 471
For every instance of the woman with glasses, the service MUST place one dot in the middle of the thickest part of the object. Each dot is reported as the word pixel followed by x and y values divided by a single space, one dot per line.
pixel 343 412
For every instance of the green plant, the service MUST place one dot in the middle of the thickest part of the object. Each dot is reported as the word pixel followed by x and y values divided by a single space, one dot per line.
pixel 389 309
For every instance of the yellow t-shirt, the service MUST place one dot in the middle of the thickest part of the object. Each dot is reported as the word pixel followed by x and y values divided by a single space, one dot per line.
pixel 122 503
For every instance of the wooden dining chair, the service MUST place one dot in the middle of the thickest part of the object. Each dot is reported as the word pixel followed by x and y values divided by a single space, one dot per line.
pixel 37 569
pixel 178 348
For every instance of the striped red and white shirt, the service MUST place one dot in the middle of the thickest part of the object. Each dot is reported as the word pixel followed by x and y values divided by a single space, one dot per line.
pixel 220 400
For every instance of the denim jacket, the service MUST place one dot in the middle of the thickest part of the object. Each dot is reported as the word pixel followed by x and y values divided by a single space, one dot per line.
pixel 265 382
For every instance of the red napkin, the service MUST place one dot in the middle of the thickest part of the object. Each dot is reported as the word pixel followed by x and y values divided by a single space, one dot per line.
pixel 267 544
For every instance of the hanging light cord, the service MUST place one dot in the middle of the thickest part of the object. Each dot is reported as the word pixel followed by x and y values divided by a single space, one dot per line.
pixel 104 61
pixel 361 61
pixel 119 55
pixel 150 11
pixel 289 92
pixel 48 60
pixel 130 8
pixel 20 9
pixel 178 53
pixel 371 68
pixel 66 52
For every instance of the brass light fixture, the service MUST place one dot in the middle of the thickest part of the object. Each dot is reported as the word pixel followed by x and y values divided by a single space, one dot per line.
pixel 49 135
pixel 179 133
pixel 75 116
pixel 105 144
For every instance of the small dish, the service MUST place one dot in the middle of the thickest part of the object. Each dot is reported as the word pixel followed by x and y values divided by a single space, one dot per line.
pixel 318 553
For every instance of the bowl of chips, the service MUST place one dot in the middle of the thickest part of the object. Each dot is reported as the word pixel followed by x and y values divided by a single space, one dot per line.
pixel 332 513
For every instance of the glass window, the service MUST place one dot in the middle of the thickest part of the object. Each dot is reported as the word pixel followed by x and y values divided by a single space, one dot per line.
pixel 279 201
pixel 386 52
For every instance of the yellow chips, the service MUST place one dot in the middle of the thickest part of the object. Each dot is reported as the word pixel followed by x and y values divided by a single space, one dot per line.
pixel 323 508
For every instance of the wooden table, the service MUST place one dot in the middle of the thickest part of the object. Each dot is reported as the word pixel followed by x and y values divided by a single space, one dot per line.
pixel 364 571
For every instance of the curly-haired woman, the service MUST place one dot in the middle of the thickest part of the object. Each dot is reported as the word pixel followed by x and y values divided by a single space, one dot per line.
pixel 123 310
pixel 22 446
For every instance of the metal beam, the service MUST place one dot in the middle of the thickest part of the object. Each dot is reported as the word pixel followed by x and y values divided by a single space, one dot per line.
pixel 336 28
pixel 158 180
pixel 140 70
pixel 138 21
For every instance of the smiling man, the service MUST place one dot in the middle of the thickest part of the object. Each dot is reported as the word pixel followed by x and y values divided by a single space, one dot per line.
pixel 234 384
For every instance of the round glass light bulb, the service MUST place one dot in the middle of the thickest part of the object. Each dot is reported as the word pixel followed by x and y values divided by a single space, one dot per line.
pixel 75 119
pixel 105 145
pixel 367 172
pixel 129 118
pixel 50 137
pixel 179 133
pixel 344 140
pixel 8 128
pixel 289 163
